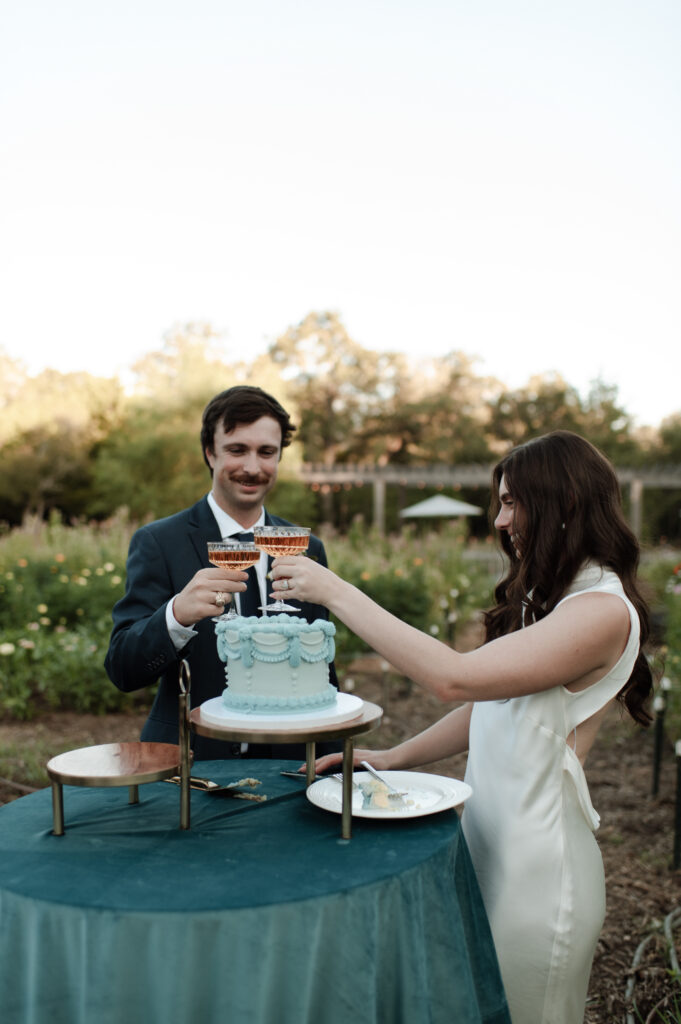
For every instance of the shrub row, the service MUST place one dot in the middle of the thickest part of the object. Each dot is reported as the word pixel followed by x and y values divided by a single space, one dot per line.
pixel 58 585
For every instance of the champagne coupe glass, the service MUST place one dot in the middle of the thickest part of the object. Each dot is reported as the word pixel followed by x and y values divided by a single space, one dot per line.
pixel 277 541
pixel 232 554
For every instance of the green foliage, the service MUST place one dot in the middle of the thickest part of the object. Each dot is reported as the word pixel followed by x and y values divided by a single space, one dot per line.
pixel 60 668
pixel 673 650
pixel 57 588
pixel 664 580
pixel 58 585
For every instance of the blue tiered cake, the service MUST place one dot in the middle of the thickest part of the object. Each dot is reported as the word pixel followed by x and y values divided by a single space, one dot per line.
pixel 276 665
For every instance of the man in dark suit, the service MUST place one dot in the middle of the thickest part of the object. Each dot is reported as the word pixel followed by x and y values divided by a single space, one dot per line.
pixel 172 592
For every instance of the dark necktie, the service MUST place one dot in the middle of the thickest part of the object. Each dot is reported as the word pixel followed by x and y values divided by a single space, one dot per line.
pixel 250 598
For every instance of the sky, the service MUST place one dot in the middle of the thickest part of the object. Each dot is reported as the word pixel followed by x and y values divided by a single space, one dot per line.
pixel 496 177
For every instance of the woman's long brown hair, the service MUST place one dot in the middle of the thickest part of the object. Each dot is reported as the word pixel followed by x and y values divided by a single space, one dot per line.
pixel 571 511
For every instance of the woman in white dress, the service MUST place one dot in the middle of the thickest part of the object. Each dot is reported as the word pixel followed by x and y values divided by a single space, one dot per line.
pixel 563 641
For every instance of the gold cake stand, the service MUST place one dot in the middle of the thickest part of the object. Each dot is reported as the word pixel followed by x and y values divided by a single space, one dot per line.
pixel 110 764
pixel 126 764
pixel 368 717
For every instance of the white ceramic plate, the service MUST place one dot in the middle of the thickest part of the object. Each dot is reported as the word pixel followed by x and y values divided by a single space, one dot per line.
pixel 426 794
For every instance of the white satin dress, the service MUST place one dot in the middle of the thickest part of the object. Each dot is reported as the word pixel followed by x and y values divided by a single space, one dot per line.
pixel 530 825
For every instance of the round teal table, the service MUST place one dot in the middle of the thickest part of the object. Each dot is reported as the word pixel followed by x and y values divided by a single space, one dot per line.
pixel 259 914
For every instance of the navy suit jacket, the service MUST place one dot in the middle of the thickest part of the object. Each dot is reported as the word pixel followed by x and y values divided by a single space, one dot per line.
pixel 162 558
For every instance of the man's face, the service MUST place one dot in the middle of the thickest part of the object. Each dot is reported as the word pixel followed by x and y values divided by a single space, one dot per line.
pixel 244 463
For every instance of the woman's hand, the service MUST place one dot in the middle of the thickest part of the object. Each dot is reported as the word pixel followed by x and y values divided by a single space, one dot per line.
pixel 378 759
pixel 303 579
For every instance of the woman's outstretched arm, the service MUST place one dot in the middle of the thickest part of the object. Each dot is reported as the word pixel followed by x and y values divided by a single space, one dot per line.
pixel 575 645
pixel 444 738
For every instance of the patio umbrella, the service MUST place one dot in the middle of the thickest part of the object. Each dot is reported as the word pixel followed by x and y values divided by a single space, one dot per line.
pixel 441 505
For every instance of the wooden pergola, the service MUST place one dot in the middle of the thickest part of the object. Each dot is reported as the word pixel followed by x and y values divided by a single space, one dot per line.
pixel 456 477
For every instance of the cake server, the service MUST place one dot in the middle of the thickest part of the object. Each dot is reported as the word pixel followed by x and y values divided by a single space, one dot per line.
pixel 231 789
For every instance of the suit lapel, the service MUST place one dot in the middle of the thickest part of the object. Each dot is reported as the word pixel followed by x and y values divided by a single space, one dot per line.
pixel 201 528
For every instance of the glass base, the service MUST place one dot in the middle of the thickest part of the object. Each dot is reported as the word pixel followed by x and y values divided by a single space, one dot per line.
pixel 226 616
pixel 278 606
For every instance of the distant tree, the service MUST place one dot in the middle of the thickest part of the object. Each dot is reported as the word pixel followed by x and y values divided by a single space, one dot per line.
pixel 86 403
pixel 548 403
pixel 663 507
pixel 79 444
pixel 606 424
pixel 13 376
pixel 49 428
pixel 669 449
pixel 194 361
pixel 356 405
pixel 152 463
pixel 334 383
pixel 43 470
pixel 437 412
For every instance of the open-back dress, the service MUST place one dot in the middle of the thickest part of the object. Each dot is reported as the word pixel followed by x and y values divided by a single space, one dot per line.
pixel 530 828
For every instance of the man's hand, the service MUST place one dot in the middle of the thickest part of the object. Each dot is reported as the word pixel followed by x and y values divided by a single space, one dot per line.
pixel 198 599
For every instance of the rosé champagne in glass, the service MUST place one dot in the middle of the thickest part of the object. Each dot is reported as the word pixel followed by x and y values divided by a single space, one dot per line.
pixel 228 554
pixel 278 541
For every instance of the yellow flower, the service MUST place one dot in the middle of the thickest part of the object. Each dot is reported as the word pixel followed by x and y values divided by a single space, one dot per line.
pixel 365 575
pixel 42 608
pixel 7 648
pixel 60 558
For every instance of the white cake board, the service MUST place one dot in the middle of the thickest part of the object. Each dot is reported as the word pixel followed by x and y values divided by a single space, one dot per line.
pixel 347 706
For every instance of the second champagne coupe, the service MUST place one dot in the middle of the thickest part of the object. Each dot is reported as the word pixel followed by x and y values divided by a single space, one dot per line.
pixel 278 541
pixel 231 554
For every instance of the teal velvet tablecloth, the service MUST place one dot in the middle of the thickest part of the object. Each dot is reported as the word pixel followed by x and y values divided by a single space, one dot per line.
pixel 259 914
